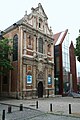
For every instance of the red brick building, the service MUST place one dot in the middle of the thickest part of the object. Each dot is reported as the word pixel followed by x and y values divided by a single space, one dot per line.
pixel 65 63
pixel 33 58
pixel 73 67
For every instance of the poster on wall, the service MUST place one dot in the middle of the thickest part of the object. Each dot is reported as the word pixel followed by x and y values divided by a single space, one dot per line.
pixel 29 79
pixel 49 80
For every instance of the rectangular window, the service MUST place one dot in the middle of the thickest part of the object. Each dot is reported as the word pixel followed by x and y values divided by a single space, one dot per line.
pixel 29 79
pixel 49 80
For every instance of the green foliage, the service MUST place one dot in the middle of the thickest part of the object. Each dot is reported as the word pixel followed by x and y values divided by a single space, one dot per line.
pixel 77 49
pixel 5 52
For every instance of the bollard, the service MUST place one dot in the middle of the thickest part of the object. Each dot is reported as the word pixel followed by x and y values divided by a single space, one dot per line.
pixel 48 93
pixel 3 115
pixel 69 108
pixel 50 107
pixel 21 107
pixel 37 104
pixel 9 109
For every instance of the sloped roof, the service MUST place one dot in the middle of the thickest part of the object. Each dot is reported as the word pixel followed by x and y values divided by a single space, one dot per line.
pixel 13 25
pixel 59 37
pixel 22 20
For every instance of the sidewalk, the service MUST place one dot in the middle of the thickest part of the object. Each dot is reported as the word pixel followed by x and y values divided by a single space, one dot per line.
pixel 60 105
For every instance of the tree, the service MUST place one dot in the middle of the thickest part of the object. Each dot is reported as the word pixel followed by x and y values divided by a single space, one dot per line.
pixel 77 49
pixel 5 52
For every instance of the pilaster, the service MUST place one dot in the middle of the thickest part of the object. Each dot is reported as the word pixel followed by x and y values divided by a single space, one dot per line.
pixel 52 52
pixel 24 43
pixel 20 59
pixel 35 45
pixel 34 77
pixel 24 77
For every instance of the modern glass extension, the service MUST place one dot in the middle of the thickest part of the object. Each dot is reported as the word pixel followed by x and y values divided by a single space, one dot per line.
pixel 66 64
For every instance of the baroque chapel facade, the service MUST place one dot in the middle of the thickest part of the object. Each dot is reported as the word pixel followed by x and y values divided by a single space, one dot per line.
pixel 33 57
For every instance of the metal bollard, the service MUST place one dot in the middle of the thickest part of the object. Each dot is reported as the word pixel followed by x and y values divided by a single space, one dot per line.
pixel 48 93
pixel 3 115
pixel 50 107
pixel 21 107
pixel 69 108
pixel 9 109
pixel 37 104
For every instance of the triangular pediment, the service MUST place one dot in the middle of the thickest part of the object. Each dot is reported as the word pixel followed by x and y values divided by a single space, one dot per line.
pixel 40 10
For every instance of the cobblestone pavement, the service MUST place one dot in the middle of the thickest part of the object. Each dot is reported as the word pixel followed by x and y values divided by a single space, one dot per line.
pixel 60 109
pixel 16 114
pixel 31 114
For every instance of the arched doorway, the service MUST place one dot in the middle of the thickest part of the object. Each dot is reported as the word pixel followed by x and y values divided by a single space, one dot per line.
pixel 40 89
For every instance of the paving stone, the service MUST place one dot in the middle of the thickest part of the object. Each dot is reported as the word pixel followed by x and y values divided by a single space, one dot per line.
pixel 59 112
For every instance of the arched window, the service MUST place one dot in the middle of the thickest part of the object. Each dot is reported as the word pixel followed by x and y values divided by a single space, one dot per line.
pixel 49 49
pixel 15 47
pixel 40 23
pixel 5 79
pixel 29 40
pixel 40 45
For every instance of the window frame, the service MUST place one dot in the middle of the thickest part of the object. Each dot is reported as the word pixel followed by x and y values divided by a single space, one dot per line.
pixel 15 47
pixel 40 45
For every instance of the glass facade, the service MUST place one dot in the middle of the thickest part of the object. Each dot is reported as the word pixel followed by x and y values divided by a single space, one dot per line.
pixel 62 64
pixel 65 64
pixel 57 69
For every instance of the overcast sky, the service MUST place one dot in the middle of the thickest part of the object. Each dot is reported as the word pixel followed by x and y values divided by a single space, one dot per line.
pixel 62 14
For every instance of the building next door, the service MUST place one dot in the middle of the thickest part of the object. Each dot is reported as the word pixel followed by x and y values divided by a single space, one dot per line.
pixel 40 89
